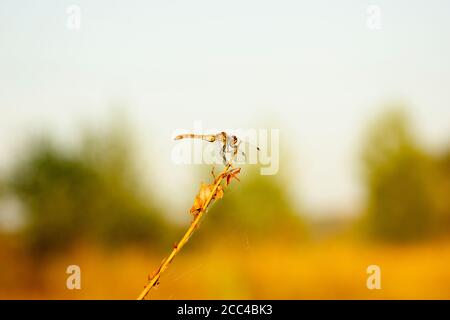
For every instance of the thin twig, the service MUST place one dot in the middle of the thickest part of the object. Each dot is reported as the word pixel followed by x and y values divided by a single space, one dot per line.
pixel 165 263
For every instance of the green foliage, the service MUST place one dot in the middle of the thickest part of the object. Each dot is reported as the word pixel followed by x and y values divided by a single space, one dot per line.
pixel 440 189
pixel 90 194
pixel 395 170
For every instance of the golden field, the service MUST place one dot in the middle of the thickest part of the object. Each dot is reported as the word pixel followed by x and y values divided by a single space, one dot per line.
pixel 239 270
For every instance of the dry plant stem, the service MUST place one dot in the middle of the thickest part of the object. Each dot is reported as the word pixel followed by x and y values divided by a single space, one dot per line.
pixel 165 263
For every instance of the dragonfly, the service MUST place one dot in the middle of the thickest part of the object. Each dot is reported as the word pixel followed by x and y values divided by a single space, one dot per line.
pixel 229 144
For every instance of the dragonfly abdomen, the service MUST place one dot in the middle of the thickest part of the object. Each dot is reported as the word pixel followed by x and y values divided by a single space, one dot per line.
pixel 206 137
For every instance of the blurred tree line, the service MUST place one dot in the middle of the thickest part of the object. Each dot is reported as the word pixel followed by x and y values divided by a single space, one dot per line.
pixel 93 193
pixel 90 194
pixel 408 188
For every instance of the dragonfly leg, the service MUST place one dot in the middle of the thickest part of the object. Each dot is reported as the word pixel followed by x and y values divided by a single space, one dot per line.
pixel 223 153
pixel 236 151
pixel 224 158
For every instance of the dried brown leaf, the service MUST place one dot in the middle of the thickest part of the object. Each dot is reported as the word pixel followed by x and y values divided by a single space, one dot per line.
pixel 203 195
pixel 233 174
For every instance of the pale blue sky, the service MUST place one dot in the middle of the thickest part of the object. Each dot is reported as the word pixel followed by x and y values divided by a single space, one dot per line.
pixel 312 65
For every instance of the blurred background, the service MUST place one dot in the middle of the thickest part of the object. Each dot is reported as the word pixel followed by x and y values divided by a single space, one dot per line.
pixel 91 93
